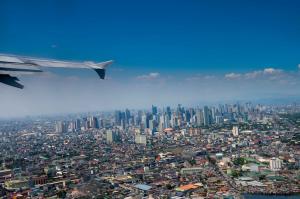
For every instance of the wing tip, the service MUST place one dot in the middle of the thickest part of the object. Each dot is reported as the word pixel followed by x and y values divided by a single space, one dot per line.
pixel 101 73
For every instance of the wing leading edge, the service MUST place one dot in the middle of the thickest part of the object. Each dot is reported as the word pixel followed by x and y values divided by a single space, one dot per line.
pixel 12 64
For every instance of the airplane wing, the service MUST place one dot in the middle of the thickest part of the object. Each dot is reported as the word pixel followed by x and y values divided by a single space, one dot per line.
pixel 15 65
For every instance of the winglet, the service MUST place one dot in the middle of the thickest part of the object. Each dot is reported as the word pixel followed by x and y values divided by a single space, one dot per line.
pixel 11 81
pixel 100 72
pixel 101 67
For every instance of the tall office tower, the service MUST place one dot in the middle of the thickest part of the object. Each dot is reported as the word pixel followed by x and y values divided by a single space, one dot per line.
pixel 102 123
pixel 131 121
pixel 206 116
pixel 213 114
pixel 93 122
pixel 127 117
pixel 118 118
pixel 141 139
pixel 169 112
pixel 138 120
pixel 112 136
pixel 123 119
pixel 109 136
pixel 275 164
pixel 61 127
pixel 148 117
pixel 144 121
pixel 226 108
pixel 179 108
pixel 173 120
pixel 167 121
pixel 72 127
pixel 77 125
pixel 187 116
pixel 179 113
pixel 161 123
pixel 235 131
pixel 194 120
pixel 96 123
pixel 219 119
pixel 151 124
pixel 85 123
pixel 199 117
pixel 154 110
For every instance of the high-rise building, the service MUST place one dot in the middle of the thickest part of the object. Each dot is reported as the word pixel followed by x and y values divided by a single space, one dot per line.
pixel 144 121
pixel 206 116
pixel 161 125
pixel 154 110
pixel 141 139
pixel 169 112
pixel 93 122
pixel 151 124
pixel 77 125
pixel 199 117
pixel 112 136
pixel 61 127
pixel 72 126
pixel 85 123
pixel 219 119
pixel 127 117
pixel 235 131
pixel 118 118
pixel 275 164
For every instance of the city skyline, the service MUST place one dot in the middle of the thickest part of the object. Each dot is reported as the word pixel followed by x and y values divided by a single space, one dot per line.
pixel 239 151
pixel 165 53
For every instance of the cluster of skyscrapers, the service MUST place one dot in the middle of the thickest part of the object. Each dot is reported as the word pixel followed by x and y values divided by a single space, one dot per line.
pixel 156 120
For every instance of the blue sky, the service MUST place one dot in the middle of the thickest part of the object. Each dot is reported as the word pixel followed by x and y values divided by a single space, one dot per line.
pixel 171 42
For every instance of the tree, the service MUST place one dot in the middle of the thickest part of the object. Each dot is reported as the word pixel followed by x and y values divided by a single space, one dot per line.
pixel 239 161
pixel 262 177
pixel 235 173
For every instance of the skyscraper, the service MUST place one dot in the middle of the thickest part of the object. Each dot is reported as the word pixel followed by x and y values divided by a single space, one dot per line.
pixel 77 125
pixel 141 139
pixel 61 127
pixel 127 117
pixel 199 117
pixel 154 110
pixel 93 122
pixel 206 116
pixel 112 136
pixel 235 131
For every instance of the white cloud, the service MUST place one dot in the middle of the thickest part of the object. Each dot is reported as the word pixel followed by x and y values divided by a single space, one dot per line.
pixel 252 75
pixel 271 71
pixel 209 77
pixel 150 76
pixel 198 77
pixel 232 76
